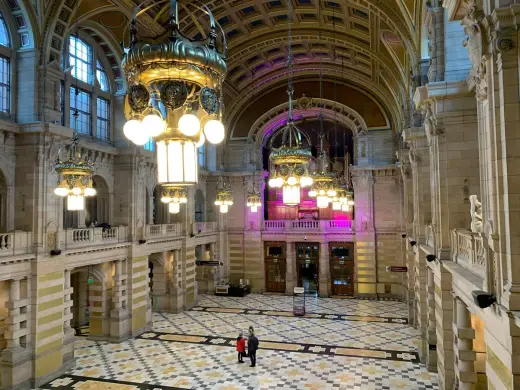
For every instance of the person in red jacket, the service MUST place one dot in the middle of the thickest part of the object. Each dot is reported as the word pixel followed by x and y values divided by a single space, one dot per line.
pixel 241 347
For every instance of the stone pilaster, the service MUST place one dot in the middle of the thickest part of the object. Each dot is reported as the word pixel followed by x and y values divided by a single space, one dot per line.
pixel 431 332
pixel 119 316
pixel 436 32
pixel 177 282
pixel 290 274
pixel 16 365
pixel 366 267
pixel 324 271
pixel 463 347
pixel 139 304
pixel 444 324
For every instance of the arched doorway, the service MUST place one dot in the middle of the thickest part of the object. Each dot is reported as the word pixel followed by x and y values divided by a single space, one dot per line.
pixel 199 206
pixel 158 271
pixel 97 207
pixel 3 204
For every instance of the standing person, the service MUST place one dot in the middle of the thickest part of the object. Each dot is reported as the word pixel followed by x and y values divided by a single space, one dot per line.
pixel 252 346
pixel 241 347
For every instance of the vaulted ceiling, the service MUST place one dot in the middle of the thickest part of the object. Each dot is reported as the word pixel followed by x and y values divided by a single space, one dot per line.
pixel 370 44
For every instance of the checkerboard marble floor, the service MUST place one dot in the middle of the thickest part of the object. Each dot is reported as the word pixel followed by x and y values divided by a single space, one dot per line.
pixel 194 350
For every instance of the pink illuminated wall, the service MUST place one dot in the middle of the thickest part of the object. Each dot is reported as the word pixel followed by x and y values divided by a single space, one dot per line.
pixel 305 210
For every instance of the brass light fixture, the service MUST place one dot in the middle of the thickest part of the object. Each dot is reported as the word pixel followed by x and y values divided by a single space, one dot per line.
pixel 224 195
pixel 174 197
pixel 74 176
pixel 175 91
pixel 292 156
pixel 323 180
pixel 254 200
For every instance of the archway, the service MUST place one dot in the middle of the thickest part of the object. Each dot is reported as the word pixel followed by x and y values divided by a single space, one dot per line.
pixel 3 204
pixel 339 149
pixel 158 270
pixel 97 207
pixel 199 206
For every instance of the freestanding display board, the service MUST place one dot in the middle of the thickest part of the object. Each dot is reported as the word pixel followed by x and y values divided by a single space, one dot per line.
pixel 299 301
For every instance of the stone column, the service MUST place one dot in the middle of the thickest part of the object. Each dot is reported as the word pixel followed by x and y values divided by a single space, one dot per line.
pixel 435 25
pixel 12 321
pixel 176 283
pixel 67 307
pixel 324 271
pixel 290 274
pixel 119 325
pixel 431 334
pixel 463 347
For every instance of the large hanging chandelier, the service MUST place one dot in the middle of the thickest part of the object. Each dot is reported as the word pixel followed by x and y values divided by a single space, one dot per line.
pixel 74 176
pixel 323 188
pixel 175 91
pixel 224 195
pixel 293 155
pixel 174 197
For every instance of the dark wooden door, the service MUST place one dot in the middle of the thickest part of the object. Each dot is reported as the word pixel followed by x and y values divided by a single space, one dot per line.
pixel 341 257
pixel 342 276
pixel 275 270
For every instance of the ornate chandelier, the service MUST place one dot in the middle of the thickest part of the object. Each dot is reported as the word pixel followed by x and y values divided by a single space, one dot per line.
pixel 175 92
pixel 254 200
pixel 292 156
pixel 74 176
pixel 174 197
pixel 323 188
pixel 224 196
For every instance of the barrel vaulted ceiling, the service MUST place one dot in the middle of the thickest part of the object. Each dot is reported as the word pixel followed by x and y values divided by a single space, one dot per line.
pixel 366 46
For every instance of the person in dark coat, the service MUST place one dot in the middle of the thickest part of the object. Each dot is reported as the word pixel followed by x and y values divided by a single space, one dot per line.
pixel 241 347
pixel 252 346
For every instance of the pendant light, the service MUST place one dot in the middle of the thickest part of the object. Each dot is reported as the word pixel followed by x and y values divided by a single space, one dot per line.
pixel 292 157
pixel 183 77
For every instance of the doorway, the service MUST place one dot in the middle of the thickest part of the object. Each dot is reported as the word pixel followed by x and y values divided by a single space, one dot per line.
pixel 341 255
pixel 307 262
pixel 275 267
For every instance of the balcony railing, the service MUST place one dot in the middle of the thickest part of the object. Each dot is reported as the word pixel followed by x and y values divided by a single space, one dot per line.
pixel 204 227
pixel 77 238
pixel 321 226
pixel 467 250
pixel 15 243
pixel 164 230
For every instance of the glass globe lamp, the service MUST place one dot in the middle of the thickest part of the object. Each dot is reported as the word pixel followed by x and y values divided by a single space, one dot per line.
pixel 189 125
pixel 131 129
pixel 214 130
pixel 154 125
pixel 174 207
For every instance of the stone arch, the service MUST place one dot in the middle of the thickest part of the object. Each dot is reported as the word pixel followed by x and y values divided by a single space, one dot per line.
pixel 25 32
pixel 58 19
pixel 159 280
pixel 270 121
pixel 393 112
pixel 200 203
pixel 5 204
pixel 113 54
pixel 97 208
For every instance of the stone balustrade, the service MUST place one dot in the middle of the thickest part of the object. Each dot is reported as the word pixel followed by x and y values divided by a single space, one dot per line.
pixel 77 238
pixel 204 227
pixel 311 226
pixel 164 230
pixel 15 243
pixel 467 250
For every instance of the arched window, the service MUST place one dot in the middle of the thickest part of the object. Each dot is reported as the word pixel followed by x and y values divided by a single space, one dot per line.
pixel 90 108
pixel 5 67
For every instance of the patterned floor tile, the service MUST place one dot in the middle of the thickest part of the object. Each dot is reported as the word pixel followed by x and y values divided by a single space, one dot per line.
pixel 194 350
